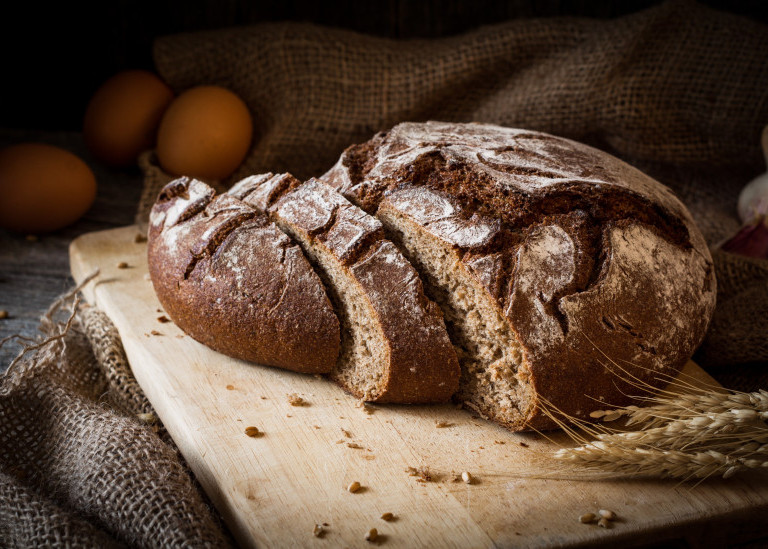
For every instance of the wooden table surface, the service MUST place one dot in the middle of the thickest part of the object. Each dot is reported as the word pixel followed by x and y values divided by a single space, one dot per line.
pixel 33 272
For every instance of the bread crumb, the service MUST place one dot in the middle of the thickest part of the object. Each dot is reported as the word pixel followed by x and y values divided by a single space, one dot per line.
pixel 316 426
pixel 443 424
pixel 354 445
pixel 162 319
pixel 499 442
pixel 423 473
pixel 3 314
pixel 295 400
pixel 139 238
pixel 122 265
pixel 366 407
pixel 253 432
pixel 230 387
pixel 156 333
pixel 318 531
pixel 523 444
pixel 354 487
pixel 346 433
pixel 387 516
pixel 372 535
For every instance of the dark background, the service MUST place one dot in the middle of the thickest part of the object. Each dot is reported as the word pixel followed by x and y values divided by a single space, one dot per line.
pixel 54 56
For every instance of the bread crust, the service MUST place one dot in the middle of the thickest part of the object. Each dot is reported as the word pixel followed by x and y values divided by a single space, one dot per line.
pixel 599 269
pixel 233 281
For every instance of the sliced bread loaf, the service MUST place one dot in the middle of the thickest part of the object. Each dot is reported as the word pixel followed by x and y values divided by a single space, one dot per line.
pixel 232 280
pixel 566 276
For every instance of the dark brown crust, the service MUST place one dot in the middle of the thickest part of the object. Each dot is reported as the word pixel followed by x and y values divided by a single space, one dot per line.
pixel 234 282
pixel 596 266
pixel 422 367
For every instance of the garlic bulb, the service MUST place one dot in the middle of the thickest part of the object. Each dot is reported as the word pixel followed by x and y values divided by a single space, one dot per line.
pixel 753 200
pixel 752 238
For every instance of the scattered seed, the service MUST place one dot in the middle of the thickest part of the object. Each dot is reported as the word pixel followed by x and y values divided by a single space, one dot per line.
pixel 163 319
pixel 230 387
pixel 443 424
pixel 604 523
pixel 354 445
pixel 613 415
pixel 295 400
pixel 156 333
pixel 372 535
pixel 318 531
pixel 499 442
pixel 607 514
pixel 122 265
pixel 346 433
pixel 354 487
pixel 387 516
pixel 253 432
pixel 466 477
pixel 587 518
pixel 3 314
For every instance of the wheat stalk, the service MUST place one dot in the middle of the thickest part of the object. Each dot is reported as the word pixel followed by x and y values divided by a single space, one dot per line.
pixel 696 434
pixel 606 456
pixel 688 430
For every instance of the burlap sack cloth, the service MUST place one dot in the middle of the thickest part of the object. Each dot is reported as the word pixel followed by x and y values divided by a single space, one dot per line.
pixel 679 90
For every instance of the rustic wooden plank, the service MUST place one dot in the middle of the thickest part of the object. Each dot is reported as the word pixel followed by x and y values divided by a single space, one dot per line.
pixel 273 489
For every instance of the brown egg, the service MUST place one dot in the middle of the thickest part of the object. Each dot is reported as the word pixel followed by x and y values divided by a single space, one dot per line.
pixel 43 188
pixel 123 115
pixel 205 133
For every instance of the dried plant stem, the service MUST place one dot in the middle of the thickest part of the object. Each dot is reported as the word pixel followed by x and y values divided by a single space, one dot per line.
pixel 604 456
pixel 685 431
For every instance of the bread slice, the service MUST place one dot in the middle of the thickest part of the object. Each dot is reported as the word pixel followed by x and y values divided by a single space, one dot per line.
pixel 228 277
pixel 394 345
pixel 494 373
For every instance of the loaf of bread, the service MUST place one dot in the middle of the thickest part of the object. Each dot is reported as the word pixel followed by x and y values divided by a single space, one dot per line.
pixel 232 280
pixel 567 278
pixel 563 279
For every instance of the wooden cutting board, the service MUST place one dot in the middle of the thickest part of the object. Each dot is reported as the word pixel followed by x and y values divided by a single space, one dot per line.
pixel 272 490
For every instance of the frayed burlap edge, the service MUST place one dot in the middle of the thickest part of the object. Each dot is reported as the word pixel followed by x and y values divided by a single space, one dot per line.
pixel 83 461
